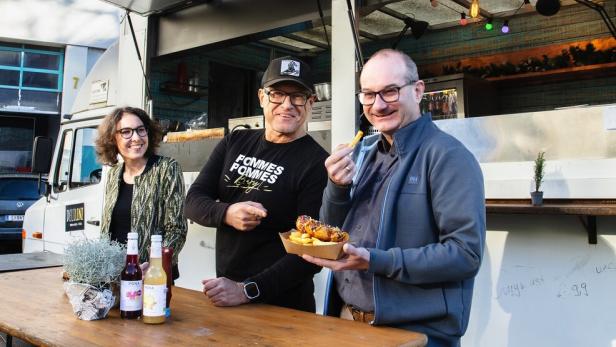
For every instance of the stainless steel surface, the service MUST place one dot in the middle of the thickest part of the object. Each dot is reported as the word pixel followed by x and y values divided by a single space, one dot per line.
pixel 323 91
pixel 252 122
pixel 191 155
pixel 574 133
pixel 28 261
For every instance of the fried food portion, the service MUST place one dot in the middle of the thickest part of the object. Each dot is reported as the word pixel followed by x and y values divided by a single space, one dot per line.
pixel 356 139
pixel 312 228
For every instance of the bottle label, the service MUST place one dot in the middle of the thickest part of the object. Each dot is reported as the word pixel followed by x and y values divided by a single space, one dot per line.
pixel 130 295
pixel 132 248
pixel 156 250
pixel 154 300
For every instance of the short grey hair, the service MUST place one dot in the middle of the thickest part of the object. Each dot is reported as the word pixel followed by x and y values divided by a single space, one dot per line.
pixel 411 67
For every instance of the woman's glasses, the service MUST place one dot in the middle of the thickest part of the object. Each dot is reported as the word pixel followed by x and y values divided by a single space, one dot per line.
pixel 127 133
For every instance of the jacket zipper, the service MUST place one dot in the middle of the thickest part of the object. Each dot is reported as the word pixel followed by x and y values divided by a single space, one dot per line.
pixel 378 241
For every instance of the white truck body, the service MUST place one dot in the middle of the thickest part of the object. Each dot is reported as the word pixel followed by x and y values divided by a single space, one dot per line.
pixel 75 199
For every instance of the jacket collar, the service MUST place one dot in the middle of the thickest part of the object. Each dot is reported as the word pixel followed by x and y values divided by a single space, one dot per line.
pixel 411 136
pixel 148 166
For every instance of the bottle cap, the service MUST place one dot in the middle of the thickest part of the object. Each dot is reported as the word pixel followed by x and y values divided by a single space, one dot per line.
pixel 157 238
pixel 133 236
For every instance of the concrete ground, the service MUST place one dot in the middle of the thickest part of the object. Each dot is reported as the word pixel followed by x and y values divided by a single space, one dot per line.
pixel 16 342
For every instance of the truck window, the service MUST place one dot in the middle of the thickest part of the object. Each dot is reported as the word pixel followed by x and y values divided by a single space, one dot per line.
pixel 62 173
pixel 85 169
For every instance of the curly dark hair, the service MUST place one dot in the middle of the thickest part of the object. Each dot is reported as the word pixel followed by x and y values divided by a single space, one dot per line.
pixel 106 146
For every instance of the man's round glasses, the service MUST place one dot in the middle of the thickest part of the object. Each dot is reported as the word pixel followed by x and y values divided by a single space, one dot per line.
pixel 127 133
pixel 389 94
pixel 277 97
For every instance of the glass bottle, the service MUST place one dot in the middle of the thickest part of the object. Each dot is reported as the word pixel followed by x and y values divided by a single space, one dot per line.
pixel 168 267
pixel 131 281
pixel 155 285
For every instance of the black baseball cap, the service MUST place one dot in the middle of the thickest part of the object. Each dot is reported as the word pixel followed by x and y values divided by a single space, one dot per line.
pixel 287 69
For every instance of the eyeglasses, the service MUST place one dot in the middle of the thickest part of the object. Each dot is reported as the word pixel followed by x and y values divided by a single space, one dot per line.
pixel 389 95
pixel 127 133
pixel 277 97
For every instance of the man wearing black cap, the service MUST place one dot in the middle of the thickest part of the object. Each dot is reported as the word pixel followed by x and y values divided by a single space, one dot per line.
pixel 254 186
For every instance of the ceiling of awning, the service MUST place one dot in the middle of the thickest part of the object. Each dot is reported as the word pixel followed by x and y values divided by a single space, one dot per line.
pixel 148 7
pixel 379 19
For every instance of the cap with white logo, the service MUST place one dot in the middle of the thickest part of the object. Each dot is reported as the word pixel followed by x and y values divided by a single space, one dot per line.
pixel 287 69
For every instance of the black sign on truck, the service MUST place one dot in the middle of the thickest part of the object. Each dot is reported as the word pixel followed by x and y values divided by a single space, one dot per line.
pixel 75 216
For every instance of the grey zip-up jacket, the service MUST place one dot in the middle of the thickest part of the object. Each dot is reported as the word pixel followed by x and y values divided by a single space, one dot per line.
pixel 431 236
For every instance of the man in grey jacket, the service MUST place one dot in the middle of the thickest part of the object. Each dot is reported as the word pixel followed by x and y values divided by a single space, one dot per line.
pixel 412 200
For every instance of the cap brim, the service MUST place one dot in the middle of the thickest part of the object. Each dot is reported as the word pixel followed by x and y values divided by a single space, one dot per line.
pixel 286 79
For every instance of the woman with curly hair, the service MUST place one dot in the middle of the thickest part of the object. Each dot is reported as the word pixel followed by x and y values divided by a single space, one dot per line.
pixel 144 192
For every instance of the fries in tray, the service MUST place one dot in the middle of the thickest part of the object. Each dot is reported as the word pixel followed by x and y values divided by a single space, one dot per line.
pixel 315 238
pixel 309 230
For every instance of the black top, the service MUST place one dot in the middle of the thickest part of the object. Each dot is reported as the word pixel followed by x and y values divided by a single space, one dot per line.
pixel 362 223
pixel 288 180
pixel 120 218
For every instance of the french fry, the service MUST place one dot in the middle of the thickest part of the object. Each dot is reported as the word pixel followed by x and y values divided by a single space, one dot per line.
pixel 356 139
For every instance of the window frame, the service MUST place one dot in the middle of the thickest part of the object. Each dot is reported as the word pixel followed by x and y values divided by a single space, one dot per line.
pixel 22 52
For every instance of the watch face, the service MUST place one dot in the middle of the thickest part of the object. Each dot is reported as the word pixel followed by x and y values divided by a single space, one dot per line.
pixel 251 290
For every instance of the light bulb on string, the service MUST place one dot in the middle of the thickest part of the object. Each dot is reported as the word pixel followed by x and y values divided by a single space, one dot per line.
pixel 474 9
pixel 505 27
pixel 463 20
pixel 489 26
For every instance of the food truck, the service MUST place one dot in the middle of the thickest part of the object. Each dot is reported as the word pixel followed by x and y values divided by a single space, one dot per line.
pixel 203 60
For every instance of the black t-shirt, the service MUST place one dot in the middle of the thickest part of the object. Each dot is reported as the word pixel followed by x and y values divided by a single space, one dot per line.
pixel 288 180
pixel 120 218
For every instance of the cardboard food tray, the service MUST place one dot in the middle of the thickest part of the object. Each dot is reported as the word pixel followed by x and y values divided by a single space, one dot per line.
pixel 333 252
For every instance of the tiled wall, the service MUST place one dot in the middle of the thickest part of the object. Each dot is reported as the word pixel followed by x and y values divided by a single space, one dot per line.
pixel 572 24
pixel 184 107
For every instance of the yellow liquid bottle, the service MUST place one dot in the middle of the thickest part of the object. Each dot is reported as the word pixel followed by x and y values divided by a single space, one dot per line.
pixel 155 285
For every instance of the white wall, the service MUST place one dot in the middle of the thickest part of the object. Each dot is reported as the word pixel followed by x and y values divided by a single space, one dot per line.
pixel 541 284
pixel 90 23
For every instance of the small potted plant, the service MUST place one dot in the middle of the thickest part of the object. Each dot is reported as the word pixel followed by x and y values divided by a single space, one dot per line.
pixel 537 195
pixel 92 267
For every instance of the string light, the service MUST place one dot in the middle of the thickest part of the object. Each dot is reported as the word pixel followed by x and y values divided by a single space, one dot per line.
pixel 505 27
pixel 474 9
pixel 489 26
pixel 463 20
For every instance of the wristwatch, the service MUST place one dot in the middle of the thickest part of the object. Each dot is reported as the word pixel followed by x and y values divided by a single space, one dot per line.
pixel 251 290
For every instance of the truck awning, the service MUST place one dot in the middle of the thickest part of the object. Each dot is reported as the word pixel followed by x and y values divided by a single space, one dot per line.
pixel 148 7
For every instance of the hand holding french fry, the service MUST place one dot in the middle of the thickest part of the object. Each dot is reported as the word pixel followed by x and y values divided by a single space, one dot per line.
pixel 340 167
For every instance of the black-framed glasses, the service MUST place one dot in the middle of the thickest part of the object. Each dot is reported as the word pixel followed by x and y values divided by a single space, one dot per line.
pixel 389 94
pixel 277 97
pixel 127 133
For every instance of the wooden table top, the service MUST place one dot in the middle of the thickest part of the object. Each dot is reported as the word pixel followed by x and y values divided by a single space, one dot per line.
pixel 34 308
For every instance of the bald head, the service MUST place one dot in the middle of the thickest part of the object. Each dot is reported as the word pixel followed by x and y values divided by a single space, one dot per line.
pixel 406 63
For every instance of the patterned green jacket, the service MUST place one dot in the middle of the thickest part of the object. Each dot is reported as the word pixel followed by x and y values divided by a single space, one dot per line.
pixel 157 205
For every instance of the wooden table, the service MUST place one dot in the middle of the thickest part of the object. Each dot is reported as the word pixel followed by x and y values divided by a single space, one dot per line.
pixel 586 209
pixel 33 307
